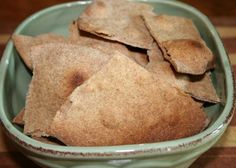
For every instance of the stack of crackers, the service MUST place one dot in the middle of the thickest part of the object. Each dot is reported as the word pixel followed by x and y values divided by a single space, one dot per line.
pixel 124 75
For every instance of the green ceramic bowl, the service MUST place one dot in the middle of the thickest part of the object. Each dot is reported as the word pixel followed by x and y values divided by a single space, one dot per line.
pixel 15 78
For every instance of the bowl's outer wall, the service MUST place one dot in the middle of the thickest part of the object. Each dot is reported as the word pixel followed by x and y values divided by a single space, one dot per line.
pixel 17 78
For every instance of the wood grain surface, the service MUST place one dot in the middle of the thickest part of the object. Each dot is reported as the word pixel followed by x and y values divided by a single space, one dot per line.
pixel 221 13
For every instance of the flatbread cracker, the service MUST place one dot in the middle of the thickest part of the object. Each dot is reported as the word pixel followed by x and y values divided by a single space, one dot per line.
pixel 179 38
pixel 167 27
pixel 118 21
pixel 57 69
pixel 124 100
pixel 189 56
pixel 23 44
pixel 198 86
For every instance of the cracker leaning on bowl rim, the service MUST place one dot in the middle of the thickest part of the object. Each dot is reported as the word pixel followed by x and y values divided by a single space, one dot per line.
pixel 118 21
pixel 198 86
pixel 124 104
pixel 182 44
pixel 23 44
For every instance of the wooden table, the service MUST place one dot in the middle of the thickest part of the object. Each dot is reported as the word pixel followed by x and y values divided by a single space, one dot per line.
pixel 221 13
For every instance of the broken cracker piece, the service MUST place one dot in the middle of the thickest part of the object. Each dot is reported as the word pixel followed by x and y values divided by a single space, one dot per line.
pixel 179 39
pixel 189 56
pixel 198 86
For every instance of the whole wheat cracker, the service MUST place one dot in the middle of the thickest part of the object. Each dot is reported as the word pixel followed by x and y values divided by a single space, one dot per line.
pixel 189 56
pixel 124 104
pixel 57 69
pixel 114 20
pixel 180 40
pixel 198 86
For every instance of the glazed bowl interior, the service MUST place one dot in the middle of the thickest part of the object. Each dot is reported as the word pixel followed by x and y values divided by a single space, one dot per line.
pixel 15 77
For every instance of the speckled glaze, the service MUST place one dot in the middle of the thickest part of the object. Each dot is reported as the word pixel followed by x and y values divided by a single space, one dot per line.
pixel 181 153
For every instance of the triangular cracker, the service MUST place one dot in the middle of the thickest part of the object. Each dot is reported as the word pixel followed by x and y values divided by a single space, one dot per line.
pixel 57 69
pixel 124 104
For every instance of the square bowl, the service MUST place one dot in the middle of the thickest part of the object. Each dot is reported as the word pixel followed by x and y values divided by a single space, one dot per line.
pixel 15 79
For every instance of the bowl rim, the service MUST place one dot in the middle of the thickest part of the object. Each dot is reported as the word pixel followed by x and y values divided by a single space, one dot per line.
pixel 158 148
